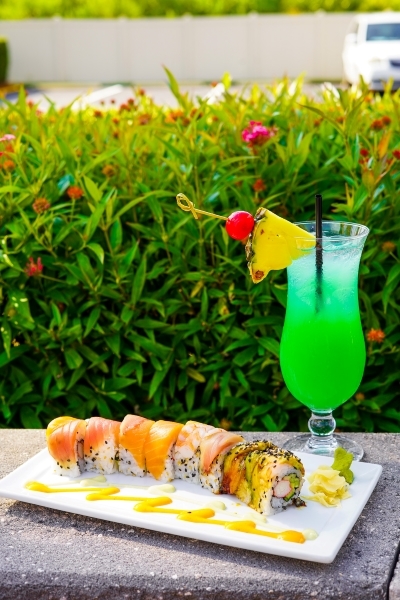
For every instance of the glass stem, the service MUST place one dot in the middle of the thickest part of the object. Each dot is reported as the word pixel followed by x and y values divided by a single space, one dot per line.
pixel 322 425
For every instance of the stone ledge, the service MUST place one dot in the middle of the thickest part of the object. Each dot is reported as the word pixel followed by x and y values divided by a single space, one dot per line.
pixel 50 555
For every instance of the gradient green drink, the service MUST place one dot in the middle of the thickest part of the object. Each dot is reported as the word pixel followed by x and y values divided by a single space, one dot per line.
pixel 322 347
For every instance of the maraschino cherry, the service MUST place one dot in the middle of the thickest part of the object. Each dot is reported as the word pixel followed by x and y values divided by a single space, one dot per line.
pixel 239 224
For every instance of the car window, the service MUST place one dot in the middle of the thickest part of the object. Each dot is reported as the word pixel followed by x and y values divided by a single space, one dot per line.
pixel 378 32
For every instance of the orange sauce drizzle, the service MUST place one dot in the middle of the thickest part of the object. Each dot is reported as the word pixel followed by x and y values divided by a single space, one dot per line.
pixel 151 505
pixel 36 486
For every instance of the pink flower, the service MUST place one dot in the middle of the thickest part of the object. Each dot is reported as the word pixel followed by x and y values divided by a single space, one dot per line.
pixel 256 134
pixel 7 137
pixel 33 269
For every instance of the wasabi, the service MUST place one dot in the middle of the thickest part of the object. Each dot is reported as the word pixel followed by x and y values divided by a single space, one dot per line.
pixel 342 463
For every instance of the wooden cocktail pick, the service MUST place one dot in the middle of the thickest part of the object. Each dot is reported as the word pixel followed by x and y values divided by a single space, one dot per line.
pixel 187 205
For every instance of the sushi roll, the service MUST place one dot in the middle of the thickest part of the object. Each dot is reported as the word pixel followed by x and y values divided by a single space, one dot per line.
pixel 187 457
pixel 213 449
pixel 101 445
pixel 271 480
pixel 65 437
pixel 234 464
pixel 159 449
pixel 132 436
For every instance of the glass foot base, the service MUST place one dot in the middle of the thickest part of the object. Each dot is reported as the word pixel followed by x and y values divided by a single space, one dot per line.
pixel 301 443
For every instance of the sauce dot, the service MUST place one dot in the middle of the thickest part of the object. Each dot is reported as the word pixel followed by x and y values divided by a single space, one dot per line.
pixel 310 534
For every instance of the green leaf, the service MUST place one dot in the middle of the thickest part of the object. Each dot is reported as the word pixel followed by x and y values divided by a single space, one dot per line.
pixel 116 235
pixel 92 320
pixel 270 344
pixel 6 335
pixel 73 359
pixel 118 383
pixel 114 343
pixel 174 87
pixel 97 251
pixel 29 418
pixel 66 154
pixel 138 282
pixel 196 375
pixel 95 218
pixel 269 423
pixel 92 189
pixel 245 356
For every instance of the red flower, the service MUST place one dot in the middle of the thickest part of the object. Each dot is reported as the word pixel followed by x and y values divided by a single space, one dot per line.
pixel 386 120
pixel 131 101
pixel 8 165
pixel 256 134
pixel 377 125
pixel 98 114
pixel 108 170
pixel 340 119
pixel 144 119
pixel 112 100
pixel 259 185
pixel 74 192
pixel 364 152
pixel 41 205
pixel 388 247
pixel 376 335
pixel 317 122
pixel 396 154
pixel 124 107
pixel 115 120
pixel 141 92
pixel 33 269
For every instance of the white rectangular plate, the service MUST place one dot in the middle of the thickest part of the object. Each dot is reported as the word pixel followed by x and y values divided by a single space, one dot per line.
pixel 332 524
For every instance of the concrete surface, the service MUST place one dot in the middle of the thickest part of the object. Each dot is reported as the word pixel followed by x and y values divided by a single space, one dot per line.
pixel 50 555
pixel 394 589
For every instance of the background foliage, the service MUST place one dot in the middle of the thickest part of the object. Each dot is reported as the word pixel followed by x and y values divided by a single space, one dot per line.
pixel 22 9
pixel 138 307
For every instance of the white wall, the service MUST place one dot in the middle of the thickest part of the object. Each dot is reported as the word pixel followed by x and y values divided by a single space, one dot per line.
pixel 193 48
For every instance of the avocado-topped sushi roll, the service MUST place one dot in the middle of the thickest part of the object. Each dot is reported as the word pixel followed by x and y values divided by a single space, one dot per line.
pixel 101 445
pixel 65 436
pixel 159 449
pixel 132 436
pixel 271 480
pixel 187 458
pixel 234 464
pixel 213 449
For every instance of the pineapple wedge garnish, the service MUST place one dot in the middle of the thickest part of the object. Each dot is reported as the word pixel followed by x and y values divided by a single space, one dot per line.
pixel 274 244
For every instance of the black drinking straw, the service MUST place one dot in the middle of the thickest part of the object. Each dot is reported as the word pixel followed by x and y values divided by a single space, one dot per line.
pixel 318 246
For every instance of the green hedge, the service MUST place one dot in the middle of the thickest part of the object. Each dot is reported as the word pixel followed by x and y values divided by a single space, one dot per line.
pixel 23 9
pixel 114 300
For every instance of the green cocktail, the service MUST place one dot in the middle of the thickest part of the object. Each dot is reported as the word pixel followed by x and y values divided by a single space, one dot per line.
pixel 322 348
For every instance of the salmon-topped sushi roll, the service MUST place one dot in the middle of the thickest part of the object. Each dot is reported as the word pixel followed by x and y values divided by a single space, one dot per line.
pixel 132 436
pixel 159 449
pixel 186 456
pixel 101 445
pixel 213 448
pixel 65 437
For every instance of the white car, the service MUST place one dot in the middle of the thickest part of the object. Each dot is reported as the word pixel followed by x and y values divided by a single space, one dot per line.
pixel 372 50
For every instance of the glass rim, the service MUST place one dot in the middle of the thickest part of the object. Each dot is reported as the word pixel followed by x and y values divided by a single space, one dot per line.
pixel 364 230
